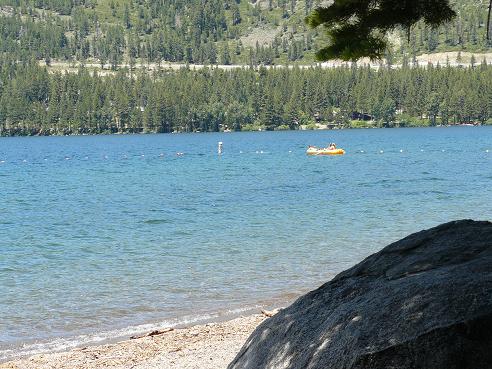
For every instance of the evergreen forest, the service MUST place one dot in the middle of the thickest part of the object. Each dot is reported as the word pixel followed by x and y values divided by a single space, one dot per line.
pixel 35 101
pixel 113 33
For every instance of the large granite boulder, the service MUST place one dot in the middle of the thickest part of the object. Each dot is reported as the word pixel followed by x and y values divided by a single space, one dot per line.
pixel 422 302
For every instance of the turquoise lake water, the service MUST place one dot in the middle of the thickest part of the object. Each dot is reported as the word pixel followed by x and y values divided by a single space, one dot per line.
pixel 103 237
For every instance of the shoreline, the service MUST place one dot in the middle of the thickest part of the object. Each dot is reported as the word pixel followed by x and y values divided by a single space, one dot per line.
pixel 210 345
pixel 242 131
pixel 116 335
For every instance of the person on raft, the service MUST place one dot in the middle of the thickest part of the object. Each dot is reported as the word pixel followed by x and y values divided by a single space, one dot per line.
pixel 332 146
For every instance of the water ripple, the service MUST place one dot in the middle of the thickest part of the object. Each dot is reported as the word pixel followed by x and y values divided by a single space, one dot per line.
pixel 120 238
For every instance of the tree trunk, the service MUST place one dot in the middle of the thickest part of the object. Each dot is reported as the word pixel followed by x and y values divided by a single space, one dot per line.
pixel 488 20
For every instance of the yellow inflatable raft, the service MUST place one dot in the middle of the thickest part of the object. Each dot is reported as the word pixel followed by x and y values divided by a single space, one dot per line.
pixel 324 151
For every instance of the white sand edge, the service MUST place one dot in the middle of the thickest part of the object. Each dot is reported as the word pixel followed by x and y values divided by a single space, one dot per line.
pixel 208 346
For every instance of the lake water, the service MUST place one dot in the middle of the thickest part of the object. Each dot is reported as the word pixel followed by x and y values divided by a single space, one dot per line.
pixel 103 237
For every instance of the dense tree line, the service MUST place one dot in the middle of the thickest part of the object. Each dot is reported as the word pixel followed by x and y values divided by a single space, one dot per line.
pixel 34 101
pixel 192 31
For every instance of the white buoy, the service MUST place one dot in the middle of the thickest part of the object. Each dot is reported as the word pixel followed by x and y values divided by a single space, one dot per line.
pixel 362 151
pixel 381 151
pixel 487 150
pixel 401 150
pixel 220 148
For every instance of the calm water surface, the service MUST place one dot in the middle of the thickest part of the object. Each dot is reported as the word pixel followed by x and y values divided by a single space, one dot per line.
pixel 102 237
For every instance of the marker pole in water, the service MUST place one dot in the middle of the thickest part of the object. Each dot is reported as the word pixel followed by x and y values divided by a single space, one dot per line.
pixel 220 148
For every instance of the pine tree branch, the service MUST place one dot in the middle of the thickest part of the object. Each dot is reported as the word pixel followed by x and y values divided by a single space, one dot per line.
pixel 358 28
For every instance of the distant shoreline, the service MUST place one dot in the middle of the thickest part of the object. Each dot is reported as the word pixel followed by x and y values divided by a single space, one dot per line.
pixel 259 130
pixel 241 100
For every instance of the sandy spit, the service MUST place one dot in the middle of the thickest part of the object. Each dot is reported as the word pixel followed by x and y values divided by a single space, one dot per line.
pixel 208 346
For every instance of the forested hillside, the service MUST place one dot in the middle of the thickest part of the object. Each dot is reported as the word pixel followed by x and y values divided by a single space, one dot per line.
pixel 199 31
pixel 34 101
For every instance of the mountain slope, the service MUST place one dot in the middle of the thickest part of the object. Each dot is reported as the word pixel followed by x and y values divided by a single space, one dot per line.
pixel 199 31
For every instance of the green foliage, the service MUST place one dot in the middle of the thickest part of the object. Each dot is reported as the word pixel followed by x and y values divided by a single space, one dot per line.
pixel 361 124
pixel 215 31
pixel 406 120
pixel 253 127
pixel 34 101
pixel 358 28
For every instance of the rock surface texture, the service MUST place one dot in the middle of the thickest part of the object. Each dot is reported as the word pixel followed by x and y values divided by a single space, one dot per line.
pixel 422 302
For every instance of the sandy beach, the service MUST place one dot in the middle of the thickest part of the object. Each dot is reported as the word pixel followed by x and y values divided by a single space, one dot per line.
pixel 208 346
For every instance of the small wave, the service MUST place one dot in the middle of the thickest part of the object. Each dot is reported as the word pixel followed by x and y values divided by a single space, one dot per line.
pixel 187 208
pixel 157 221
pixel 422 192
pixel 381 182
pixel 432 179
pixel 181 233
pixel 64 344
